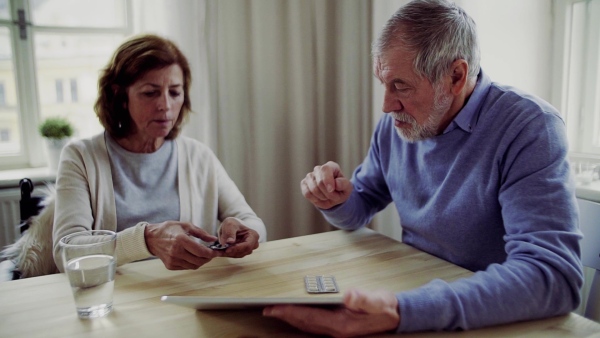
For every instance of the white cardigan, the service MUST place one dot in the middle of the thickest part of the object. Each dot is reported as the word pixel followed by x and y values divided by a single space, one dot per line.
pixel 85 195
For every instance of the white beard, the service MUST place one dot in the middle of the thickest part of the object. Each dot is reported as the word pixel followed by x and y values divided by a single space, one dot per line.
pixel 416 132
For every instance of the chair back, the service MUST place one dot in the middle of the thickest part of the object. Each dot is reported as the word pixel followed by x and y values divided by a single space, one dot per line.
pixel 31 255
pixel 589 223
pixel 29 205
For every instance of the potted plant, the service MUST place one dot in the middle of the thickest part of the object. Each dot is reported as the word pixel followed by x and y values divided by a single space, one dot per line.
pixel 56 131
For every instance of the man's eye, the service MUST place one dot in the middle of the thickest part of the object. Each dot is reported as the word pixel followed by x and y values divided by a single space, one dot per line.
pixel 401 88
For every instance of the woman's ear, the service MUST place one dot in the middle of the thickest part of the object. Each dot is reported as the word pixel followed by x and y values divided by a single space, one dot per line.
pixel 116 93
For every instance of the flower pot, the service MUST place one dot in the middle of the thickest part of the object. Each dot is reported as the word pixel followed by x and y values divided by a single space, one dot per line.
pixel 53 149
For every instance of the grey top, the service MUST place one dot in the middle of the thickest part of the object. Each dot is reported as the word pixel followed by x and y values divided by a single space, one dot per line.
pixel 145 185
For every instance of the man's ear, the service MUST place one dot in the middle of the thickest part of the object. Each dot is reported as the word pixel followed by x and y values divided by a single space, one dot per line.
pixel 459 75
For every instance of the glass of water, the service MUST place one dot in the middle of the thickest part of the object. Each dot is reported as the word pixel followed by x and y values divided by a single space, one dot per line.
pixel 585 173
pixel 89 262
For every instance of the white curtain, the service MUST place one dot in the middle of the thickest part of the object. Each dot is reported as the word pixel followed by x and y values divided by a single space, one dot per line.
pixel 279 86
pixel 291 88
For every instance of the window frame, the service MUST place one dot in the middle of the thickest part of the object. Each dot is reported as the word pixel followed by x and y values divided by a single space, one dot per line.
pixel 573 91
pixel 27 91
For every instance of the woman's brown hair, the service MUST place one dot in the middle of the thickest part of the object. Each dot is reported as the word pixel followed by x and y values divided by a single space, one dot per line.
pixel 132 60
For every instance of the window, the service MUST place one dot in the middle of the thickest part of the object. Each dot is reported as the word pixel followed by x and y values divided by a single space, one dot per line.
pixel 4 135
pixel 59 91
pixel 2 95
pixel 580 85
pixel 51 52
pixel 9 117
pixel 4 9
pixel 73 90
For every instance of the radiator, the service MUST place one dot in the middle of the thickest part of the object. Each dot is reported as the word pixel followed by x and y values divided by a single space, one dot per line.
pixel 9 215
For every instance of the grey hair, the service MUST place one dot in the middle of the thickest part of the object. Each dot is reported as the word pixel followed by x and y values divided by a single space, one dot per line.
pixel 438 31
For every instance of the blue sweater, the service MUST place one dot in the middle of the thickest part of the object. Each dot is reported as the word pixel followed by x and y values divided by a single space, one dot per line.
pixel 492 194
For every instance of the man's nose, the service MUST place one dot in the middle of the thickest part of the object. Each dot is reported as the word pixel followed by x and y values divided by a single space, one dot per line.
pixel 391 103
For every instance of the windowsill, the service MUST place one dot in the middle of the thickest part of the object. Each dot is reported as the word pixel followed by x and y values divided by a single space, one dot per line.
pixel 11 178
pixel 590 192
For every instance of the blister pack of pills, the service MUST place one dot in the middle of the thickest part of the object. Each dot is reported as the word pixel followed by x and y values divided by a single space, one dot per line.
pixel 217 246
pixel 321 284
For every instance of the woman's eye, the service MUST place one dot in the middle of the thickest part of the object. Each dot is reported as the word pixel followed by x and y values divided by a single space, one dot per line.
pixel 149 94
pixel 175 93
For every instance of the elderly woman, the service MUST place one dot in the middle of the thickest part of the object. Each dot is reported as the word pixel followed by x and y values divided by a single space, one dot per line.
pixel 160 191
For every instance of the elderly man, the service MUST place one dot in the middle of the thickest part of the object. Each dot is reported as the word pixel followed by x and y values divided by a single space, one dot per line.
pixel 478 173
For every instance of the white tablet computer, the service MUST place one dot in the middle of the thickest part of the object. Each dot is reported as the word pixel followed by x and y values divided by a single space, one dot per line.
pixel 227 303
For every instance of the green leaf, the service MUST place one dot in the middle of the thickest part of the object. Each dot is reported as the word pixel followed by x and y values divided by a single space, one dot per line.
pixel 56 127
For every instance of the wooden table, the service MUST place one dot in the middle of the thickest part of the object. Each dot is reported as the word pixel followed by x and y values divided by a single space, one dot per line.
pixel 43 306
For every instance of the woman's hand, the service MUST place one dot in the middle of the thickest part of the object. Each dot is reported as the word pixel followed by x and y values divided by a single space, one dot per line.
pixel 176 245
pixel 241 239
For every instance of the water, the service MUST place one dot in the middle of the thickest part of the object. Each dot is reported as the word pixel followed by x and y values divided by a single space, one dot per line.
pixel 92 281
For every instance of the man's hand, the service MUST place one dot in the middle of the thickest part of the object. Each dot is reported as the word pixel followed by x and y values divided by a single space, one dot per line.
pixel 175 244
pixel 326 186
pixel 364 312
pixel 241 239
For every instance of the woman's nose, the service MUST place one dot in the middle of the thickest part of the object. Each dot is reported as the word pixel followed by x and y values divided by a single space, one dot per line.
pixel 164 102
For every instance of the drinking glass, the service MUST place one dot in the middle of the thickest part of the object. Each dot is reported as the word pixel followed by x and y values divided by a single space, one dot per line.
pixel 585 172
pixel 89 262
